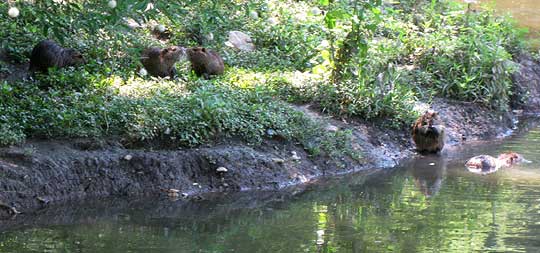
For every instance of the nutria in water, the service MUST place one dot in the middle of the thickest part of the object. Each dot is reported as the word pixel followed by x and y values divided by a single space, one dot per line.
pixel 484 164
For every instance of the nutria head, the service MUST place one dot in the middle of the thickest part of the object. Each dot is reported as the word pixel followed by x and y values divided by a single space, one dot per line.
pixel 72 57
pixel 172 53
pixel 510 158
pixel 196 52
pixel 429 118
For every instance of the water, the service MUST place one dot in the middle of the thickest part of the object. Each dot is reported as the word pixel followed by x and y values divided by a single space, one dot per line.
pixel 526 13
pixel 431 204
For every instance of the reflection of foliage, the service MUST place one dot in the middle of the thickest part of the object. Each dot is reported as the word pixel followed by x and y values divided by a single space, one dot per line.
pixel 385 213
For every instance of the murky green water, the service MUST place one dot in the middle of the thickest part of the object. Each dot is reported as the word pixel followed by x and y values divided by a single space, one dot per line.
pixel 432 204
pixel 526 13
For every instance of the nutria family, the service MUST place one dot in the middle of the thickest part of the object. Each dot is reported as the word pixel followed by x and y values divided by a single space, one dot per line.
pixel 427 135
pixel 47 54
pixel 484 164
pixel 205 62
pixel 160 62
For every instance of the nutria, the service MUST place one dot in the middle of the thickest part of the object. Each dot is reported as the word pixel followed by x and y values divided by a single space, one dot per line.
pixel 484 164
pixel 47 54
pixel 428 136
pixel 160 62
pixel 428 174
pixel 205 62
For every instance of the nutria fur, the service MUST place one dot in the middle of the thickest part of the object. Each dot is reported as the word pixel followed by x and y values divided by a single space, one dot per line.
pixel 47 54
pixel 205 62
pixel 428 136
pixel 511 158
pixel 483 164
pixel 486 164
pixel 160 62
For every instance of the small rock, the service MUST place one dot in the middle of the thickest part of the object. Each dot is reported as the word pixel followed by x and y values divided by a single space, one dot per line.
pixel 273 21
pixel 128 157
pixel 43 200
pixel 13 12
pixel 222 169
pixel 132 23
pixel 332 128
pixel 112 4
pixel 270 132
pixel 173 193
pixel 241 41
pixel 174 190
pixel 316 11
pixel 295 156
pixel 278 160
pixel 254 14
pixel 143 72
pixel 160 28
pixel 185 195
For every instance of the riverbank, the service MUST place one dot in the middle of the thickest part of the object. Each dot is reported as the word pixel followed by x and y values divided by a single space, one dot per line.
pixel 37 173
pixel 309 98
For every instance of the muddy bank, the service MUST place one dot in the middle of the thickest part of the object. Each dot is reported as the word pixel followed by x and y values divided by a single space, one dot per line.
pixel 41 173
pixel 527 84
pixel 162 208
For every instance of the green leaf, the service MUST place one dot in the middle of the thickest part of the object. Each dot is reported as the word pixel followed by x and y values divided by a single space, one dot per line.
pixel 324 2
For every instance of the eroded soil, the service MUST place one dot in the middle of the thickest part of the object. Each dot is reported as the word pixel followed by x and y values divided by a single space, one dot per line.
pixel 40 173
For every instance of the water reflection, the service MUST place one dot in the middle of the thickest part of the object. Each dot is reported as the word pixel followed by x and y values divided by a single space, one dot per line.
pixel 432 204
pixel 428 174
pixel 525 12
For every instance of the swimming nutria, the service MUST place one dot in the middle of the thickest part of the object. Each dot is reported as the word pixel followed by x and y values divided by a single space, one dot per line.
pixel 484 164
pixel 428 137
pixel 160 62
pixel 205 62
pixel 47 54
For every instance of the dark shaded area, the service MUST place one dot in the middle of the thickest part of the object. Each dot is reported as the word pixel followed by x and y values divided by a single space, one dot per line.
pixel 36 173
pixel 526 90
pixel 11 71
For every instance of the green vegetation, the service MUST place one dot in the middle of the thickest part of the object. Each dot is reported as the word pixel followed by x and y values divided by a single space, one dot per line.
pixel 367 60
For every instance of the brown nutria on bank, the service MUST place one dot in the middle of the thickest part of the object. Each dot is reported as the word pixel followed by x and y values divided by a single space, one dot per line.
pixel 47 54
pixel 205 62
pixel 160 62
pixel 427 135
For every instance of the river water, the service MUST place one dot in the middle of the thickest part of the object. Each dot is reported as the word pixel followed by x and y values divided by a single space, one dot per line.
pixel 430 204
pixel 525 12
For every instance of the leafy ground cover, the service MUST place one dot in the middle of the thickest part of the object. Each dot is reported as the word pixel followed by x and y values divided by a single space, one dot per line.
pixel 367 60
